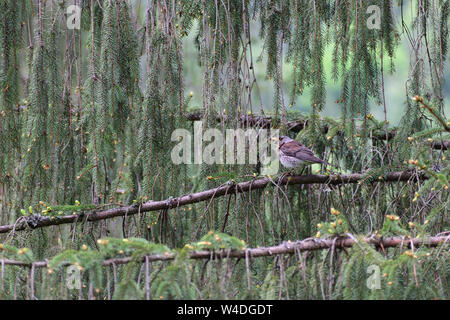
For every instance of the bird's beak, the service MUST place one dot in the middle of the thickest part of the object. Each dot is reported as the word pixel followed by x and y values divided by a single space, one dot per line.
pixel 276 139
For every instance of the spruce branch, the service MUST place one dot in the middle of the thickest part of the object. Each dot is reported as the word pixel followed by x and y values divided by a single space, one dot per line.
pixel 289 247
pixel 247 186
pixel 298 125
pixel 432 111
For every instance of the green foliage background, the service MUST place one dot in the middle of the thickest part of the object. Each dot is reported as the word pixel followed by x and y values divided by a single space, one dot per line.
pixel 86 118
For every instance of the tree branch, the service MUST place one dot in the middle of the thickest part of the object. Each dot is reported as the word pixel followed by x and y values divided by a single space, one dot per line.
pixel 220 191
pixel 283 248
pixel 298 125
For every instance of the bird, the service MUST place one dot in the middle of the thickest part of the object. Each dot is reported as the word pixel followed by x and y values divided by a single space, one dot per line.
pixel 294 154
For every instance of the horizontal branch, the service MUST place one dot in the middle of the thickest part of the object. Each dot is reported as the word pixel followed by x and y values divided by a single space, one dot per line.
pixel 223 190
pixel 252 121
pixel 284 248
pixel 298 125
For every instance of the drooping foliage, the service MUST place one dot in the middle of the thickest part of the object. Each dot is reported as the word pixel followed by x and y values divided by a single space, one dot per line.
pixel 87 119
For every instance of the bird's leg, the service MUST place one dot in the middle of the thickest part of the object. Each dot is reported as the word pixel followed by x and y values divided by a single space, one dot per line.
pixel 283 175
pixel 289 172
pixel 303 169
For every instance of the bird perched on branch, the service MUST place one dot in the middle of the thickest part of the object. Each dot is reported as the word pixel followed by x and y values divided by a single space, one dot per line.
pixel 294 154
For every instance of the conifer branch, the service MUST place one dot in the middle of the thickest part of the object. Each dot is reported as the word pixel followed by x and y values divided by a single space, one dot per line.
pixel 220 191
pixel 432 111
pixel 251 120
pixel 297 125
pixel 289 247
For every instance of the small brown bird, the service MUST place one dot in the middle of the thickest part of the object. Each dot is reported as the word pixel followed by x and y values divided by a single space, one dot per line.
pixel 293 154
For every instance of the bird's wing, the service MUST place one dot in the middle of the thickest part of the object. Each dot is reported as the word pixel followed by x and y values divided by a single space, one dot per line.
pixel 299 151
